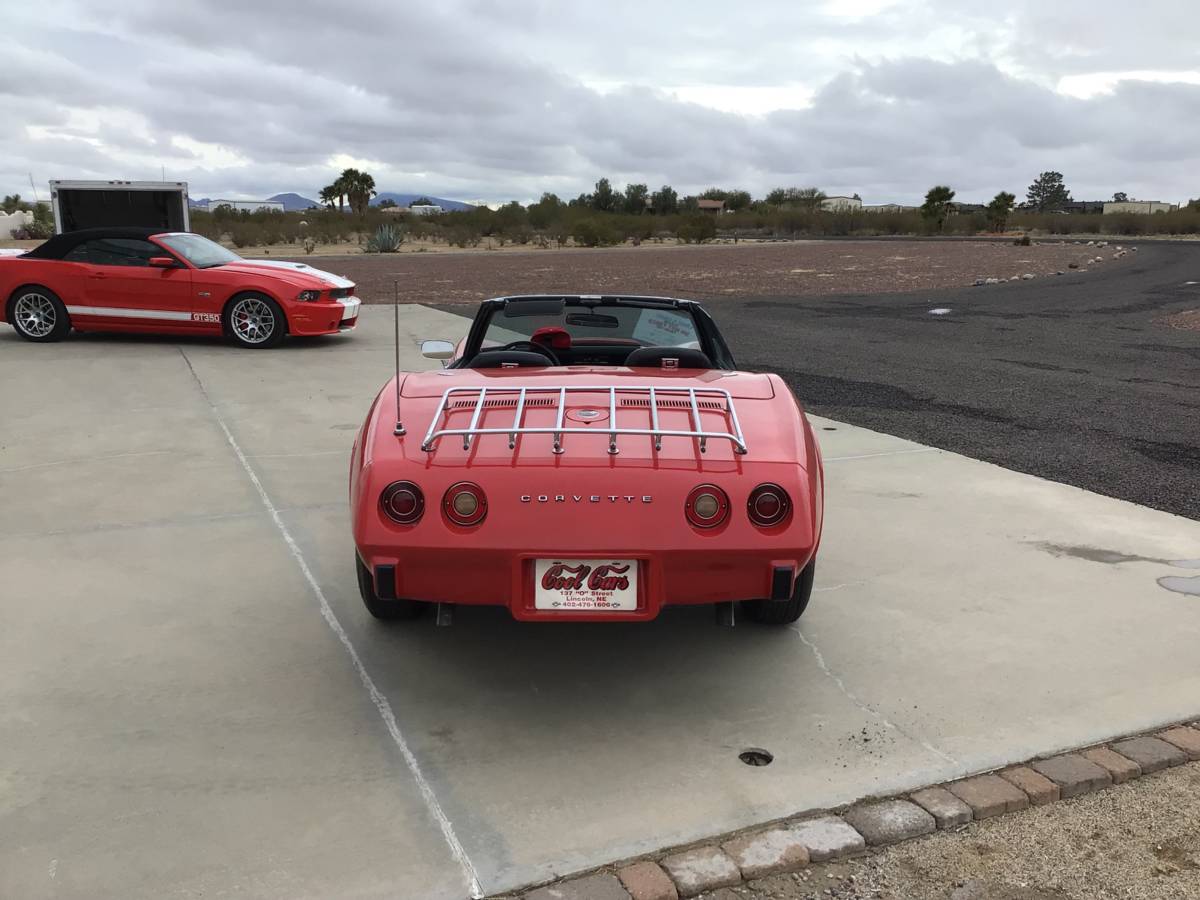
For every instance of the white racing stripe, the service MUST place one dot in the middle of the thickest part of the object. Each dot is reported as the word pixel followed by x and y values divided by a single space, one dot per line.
pixel 329 278
pixel 116 313
pixel 377 697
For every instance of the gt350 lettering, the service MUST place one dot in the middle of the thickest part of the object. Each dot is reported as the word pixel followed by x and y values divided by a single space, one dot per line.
pixel 206 317
pixel 585 498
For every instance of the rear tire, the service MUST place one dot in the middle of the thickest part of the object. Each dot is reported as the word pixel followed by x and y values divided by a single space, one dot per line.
pixel 387 610
pixel 38 315
pixel 255 321
pixel 776 612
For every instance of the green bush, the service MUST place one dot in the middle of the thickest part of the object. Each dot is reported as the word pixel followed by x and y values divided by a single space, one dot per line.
pixel 386 239
pixel 697 229
pixel 595 231
pixel 246 234
pixel 34 231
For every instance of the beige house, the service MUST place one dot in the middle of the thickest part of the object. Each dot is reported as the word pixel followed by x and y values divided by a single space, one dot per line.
pixel 888 208
pixel 1138 206
pixel 841 204
pixel 716 207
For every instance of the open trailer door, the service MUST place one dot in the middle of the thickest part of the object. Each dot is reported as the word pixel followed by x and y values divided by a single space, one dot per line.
pixel 104 204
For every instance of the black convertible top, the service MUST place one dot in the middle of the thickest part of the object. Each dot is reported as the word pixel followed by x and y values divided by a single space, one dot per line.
pixel 62 244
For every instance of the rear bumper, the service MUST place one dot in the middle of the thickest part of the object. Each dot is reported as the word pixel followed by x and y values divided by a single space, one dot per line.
pixel 505 578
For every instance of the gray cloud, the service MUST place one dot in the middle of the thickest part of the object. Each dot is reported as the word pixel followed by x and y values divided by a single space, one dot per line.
pixel 475 99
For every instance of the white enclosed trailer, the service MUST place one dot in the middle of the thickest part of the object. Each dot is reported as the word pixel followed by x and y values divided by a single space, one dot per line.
pixel 100 204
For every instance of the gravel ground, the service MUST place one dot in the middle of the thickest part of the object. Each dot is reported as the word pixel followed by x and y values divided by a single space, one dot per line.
pixel 1189 320
pixel 810 268
pixel 1137 841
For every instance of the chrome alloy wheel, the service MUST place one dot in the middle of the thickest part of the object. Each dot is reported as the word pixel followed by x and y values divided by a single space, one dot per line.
pixel 253 320
pixel 35 315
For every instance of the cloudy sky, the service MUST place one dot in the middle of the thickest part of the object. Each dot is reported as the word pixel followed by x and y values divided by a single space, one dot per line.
pixel 474 99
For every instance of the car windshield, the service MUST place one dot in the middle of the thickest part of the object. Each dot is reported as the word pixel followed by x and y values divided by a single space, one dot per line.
pixel 199 251
pixel 625 323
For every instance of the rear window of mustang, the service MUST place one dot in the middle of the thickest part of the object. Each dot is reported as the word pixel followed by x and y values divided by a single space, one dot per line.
pixel 646 327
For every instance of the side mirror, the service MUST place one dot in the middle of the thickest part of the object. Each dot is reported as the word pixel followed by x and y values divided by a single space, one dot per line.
pixel 163 262
pixel 437 349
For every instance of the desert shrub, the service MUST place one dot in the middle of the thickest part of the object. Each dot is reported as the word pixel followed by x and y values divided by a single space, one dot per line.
pixel 463 236
pixel 595 231
pixel 385 239
pixel 697 229
pixel 246 234
pixel 33 231
pixel 1022 241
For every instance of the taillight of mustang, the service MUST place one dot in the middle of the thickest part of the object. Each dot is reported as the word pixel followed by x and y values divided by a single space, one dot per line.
pixel 465 504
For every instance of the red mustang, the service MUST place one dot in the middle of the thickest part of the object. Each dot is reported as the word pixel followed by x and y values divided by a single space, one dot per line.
pixel 586 458
pixel 144 280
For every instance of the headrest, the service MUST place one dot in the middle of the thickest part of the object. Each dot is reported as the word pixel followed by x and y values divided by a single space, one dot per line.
pixel 660 358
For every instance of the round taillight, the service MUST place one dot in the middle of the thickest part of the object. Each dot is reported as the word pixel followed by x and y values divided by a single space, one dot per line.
pixel 707 506
pixel 465 503
pixel 403 502
pixel 768 505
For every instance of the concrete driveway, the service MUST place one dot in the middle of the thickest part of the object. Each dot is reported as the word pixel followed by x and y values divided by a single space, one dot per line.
pixel 194 703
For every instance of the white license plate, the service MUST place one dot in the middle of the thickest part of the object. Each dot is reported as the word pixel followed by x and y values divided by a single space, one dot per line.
pixel 585 584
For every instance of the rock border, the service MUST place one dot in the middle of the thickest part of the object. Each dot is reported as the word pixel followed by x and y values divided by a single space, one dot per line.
pixel 791 844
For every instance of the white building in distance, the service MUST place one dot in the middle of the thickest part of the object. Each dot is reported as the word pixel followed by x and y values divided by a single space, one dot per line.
pixel 1137 206
pixel 246 205
pixel 841 204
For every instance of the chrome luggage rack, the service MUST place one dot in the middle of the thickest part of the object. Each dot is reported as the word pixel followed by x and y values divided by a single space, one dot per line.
pixel 645 397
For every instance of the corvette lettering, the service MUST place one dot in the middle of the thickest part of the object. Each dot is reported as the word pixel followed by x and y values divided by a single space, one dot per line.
pixel 586 498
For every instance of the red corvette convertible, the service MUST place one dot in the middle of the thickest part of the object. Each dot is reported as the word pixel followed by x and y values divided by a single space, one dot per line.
pixel 144 280
pixel 586 458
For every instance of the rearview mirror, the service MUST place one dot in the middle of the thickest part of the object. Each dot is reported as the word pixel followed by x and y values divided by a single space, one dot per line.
pixel 162 262
pixel 437 349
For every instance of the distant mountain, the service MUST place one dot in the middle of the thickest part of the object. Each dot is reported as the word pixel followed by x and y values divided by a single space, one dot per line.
pixel 294 202
pixel 405 199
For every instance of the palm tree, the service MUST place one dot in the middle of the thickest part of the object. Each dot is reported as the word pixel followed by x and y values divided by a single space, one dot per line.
pixel 345 183
pixel 360 188
pixel 329 195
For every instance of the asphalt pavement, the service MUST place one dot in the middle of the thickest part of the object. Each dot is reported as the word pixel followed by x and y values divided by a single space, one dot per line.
pixel 1067 377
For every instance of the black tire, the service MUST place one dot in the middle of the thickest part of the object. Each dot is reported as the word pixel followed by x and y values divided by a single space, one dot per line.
pixel 255 321
pixel 38 315
pixel 377 606
pixel 775 612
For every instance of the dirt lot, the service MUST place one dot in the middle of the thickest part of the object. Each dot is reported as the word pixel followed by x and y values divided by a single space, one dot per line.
pixel 710 271
pixel 1138 841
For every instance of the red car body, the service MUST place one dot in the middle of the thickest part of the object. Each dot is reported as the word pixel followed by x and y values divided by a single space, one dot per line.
pixel 539 454
pixel 133 280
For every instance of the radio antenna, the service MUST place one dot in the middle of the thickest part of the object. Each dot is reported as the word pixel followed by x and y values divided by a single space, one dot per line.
pixel 396 327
